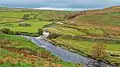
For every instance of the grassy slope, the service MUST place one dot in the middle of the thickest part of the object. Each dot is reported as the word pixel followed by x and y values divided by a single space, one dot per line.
pixel 99 25
pixel 17 51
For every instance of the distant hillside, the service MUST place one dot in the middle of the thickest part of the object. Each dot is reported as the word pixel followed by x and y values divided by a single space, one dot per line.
pixel 93 12
pixel 18 13
pixel 107 19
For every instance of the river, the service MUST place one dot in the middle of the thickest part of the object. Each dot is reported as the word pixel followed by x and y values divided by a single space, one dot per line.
pixel 65 54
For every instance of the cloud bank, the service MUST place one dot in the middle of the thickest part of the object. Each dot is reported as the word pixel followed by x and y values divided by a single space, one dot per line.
pixel 60 4
pixel 65 9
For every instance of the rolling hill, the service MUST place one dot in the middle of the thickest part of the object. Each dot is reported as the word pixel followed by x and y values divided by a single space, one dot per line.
pixel 85 28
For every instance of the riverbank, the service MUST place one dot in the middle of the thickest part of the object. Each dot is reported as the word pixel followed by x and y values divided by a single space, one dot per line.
pixel 65 54
pixel 17 51
pixel 107 59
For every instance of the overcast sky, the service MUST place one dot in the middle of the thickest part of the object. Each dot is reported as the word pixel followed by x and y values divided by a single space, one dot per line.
pixel 72 4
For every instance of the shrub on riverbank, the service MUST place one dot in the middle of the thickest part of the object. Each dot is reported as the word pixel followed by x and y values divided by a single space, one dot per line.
pixel 98 51
pixel 40 31
pixel 8 31
pixel 54 35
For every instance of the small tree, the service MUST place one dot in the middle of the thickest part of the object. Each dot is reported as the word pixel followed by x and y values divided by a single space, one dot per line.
pixel 5 30
pixel 26 17
pixel 98 51
pixel 40 31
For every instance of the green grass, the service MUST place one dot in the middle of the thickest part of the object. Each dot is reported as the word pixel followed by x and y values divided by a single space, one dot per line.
pixel 5 52
pixel 18 15
pixel 95 31
pixel 20 40
pixel 14 26
pixel 79 45
pixel 65 31
pixel 76 30
pixel 15 65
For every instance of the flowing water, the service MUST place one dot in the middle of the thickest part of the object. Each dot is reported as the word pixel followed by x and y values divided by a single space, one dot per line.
pixel 65 54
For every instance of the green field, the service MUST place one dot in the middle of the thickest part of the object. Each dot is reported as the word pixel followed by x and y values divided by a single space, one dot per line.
pixel 9 18
pixel 14 26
